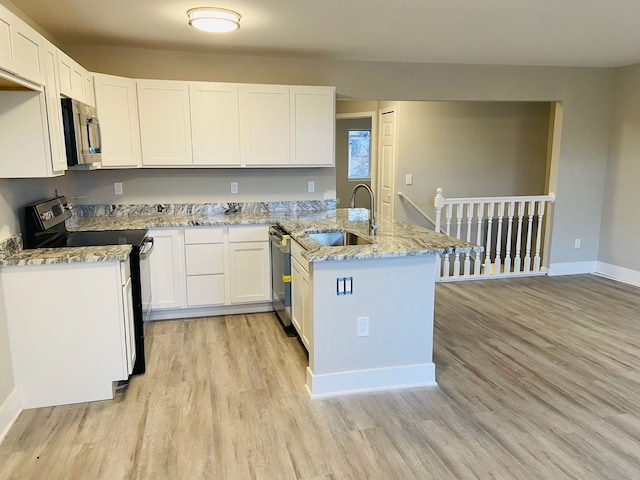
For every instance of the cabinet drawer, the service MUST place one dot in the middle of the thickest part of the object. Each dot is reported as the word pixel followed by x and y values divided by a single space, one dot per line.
pixel 296 252
pixel 204 259
pixel 249 233
pixel 205 290
pixel 203 235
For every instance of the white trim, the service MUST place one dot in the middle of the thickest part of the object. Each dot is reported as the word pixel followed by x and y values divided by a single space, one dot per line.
pixel 9 412
pixel 621 274
pixel 371 380
pixel 212 311
pixel 571 268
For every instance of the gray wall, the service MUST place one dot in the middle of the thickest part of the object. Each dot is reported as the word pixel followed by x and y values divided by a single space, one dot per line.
pixel 344 186
pixel 621 217
pixel 470 149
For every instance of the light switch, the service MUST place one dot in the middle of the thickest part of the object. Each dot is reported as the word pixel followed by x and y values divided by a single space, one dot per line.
pixel 408 179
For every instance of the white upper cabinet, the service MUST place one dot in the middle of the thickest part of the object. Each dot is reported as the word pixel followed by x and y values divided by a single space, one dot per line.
pixel 264 113
pixel 54 110
pixel 117 103
pixel 89 91
pixel 71 77
pixel 215 124
pixel 312 126
pixel 165 124
pixel 20 48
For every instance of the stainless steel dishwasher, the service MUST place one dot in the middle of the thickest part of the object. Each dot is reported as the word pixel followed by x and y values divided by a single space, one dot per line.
pixel 281 276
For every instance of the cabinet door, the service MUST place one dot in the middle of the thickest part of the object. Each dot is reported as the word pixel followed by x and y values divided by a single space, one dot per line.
pixel 54 114
pixel 117 104
pixel 215 123
pixel 307 310
pixel 27 52
pixel 297 296
pixel 265 124
pixel 71 77
pixel 313 122
pixel 165 126
pixel 249 275
pixel 6 47
pixel 167 269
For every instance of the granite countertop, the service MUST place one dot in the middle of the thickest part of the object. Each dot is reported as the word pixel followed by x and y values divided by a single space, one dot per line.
pixel 46 256
pixel 133 221
pixel 393 239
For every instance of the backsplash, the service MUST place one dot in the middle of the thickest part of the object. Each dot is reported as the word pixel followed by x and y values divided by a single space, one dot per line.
pixel 10 246
pixel 204 208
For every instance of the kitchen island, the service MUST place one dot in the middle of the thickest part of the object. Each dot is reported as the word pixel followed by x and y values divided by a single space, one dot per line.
pixel 367 314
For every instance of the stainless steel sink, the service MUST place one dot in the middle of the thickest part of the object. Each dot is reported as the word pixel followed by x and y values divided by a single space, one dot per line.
pixel 338 239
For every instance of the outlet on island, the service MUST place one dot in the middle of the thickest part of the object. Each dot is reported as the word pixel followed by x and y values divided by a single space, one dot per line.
pixel 234 187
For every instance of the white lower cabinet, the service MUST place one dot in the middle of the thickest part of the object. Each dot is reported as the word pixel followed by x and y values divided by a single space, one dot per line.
pixel 209 267
pixel 301 296
pixel 204 266
pixel 167 269
pixel 249 264
pixel 68 350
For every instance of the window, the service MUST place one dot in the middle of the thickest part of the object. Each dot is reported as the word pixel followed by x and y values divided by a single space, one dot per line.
pixel 359 154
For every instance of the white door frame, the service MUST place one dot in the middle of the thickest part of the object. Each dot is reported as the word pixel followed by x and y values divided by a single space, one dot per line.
pixel 373 154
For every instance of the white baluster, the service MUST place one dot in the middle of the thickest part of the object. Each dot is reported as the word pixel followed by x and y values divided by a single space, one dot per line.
pixel 507 255
pixel 527 257
pixel 447 264
pixel 487 256
pixel 476 266
pixel 467 258
pixel 438 202
pixel 517 260
pixel 498 261
pixel 536 258
pixel 459 215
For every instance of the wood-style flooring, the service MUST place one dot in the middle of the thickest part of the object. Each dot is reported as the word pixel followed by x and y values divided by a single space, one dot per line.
pixel 539 378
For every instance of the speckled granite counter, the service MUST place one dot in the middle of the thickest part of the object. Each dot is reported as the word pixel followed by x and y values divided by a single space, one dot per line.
pixel 46 256
pixel 119 222
pixel 393 239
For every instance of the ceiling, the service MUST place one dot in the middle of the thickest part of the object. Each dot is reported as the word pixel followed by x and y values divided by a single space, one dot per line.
pixel 591 33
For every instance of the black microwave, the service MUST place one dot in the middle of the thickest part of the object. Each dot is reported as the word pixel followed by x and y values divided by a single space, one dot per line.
pixel 82 137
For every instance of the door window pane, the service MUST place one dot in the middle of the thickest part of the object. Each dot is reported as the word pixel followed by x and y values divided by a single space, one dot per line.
pixel 359 154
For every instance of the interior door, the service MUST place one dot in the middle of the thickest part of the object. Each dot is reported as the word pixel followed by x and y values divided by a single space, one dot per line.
pixel 387 165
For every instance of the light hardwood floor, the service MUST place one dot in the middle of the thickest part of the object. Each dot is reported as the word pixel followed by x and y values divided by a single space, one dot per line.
pixel 539 378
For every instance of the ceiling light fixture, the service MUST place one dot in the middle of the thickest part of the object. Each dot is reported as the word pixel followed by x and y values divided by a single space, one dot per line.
pixel 215 20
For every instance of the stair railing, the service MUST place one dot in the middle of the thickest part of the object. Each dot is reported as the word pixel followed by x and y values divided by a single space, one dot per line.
pixel 506 227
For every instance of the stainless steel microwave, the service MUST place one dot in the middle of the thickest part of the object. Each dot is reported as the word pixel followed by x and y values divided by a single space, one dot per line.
pixel 82 137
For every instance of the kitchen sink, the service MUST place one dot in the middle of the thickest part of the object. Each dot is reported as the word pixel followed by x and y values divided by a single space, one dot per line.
pixel 338 239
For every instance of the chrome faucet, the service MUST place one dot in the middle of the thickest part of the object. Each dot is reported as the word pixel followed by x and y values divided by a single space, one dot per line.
pixel 372 217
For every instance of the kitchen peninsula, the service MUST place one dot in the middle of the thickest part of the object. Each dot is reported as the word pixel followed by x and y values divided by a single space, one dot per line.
pixel 364 311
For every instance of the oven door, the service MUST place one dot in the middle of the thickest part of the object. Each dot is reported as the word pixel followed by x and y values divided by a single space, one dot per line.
pixel 145 278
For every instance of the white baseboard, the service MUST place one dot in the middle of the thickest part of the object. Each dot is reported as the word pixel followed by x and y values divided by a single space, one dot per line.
pixel 621 274
pixel 9 412
pixel 195 312
pixel 371 380
pixel 572 268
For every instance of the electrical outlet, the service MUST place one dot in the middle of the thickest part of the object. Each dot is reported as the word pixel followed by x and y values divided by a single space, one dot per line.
pixel 117 188
pixel 311 187
pixel 408 179
pixel 363 326
pixel 234 187
pixel 577 243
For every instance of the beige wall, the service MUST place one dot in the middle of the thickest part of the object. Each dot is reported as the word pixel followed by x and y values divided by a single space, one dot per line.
pixel 585 95
pixel 621 218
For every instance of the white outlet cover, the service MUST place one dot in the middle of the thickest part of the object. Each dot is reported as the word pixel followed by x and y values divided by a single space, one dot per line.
pixel 311 187
pixel 408 179
pixel 117 188
pixel 234 187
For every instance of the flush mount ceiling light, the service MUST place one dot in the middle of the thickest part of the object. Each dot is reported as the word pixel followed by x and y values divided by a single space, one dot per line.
pixel 216 20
